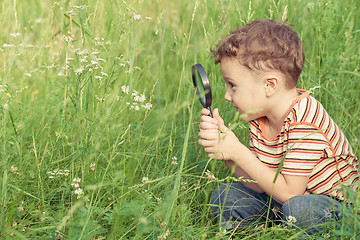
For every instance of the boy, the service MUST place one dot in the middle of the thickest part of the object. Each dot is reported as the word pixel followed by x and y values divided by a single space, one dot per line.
pixel 261 63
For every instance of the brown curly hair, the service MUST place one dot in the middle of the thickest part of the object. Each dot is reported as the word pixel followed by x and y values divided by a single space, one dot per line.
pixel 265 45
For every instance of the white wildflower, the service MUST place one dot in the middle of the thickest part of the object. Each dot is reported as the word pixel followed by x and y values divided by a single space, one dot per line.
pixel 145 179
pixel 138 68
pixel 78 192
pixel 147 106
pixel 209 175
pixel 66 172
pixel 15 35
pixel 43 217
pixel 76 182
pixel 104 74
pixel 83 7
pixel 79 70
pixel 164 235
pixel 125 89
pixel 71 12
pixel 100 59
pixel 136 98
pixel 174 162
pixel 61 73
pixel 28 74
pixel 92 167
pixel 21 208
pixel 13 169
pixel 142 98
pixel 122 64
pixel 148 18
pixel 95 52
pixel 8 45
pixel 67 38
pixel 94 62
pixel 137 17
pixel 26 45
pixel 291 220
pixel 99 77
pixel 84 59
pixel 137 108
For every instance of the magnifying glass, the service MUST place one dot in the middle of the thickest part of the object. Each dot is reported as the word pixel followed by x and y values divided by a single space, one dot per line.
pixel 202 86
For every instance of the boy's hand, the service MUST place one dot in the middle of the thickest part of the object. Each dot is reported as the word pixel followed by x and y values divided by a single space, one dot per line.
pixel 216 137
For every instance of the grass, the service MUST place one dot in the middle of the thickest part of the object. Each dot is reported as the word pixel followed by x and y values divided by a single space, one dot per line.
pixel 69 77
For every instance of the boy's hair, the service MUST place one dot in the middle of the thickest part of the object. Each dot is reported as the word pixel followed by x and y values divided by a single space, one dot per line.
pixel 265 45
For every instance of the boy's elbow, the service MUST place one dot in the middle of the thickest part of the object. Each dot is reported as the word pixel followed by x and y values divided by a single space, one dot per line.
pixel 283 198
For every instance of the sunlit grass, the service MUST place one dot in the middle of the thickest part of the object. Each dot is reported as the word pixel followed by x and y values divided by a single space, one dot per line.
pixel 103 93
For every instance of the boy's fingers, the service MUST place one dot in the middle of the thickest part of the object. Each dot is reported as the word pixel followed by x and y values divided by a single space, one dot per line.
pixel 206 143
pixel 208 119
pixel 205 111
pixel 207 126
pixel 209 135
pixel 217 116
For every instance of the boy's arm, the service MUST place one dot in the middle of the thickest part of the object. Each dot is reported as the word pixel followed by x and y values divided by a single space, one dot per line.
pixel 238 172
pixel 222 144
pixel 285 187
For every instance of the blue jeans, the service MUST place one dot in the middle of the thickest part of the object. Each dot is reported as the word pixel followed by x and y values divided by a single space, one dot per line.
pixel 237 206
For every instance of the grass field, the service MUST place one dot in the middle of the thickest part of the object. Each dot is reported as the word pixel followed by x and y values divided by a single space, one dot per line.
pixel 99 120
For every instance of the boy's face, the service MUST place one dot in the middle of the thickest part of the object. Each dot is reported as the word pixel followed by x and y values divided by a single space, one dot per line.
pixel 244 89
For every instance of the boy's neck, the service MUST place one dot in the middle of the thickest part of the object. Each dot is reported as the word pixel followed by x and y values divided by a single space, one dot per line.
pixel 278 111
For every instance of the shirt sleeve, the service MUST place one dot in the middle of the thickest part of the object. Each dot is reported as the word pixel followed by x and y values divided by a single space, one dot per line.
pixel 306 147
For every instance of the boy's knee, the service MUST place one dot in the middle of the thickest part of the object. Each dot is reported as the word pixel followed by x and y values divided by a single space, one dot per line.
pixel 226 192
pixel 311 208
pixel 220 193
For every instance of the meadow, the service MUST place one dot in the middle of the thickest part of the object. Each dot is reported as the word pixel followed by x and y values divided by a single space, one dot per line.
pixel 99 119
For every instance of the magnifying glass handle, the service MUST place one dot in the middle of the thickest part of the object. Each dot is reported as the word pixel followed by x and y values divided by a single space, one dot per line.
pixel 211 115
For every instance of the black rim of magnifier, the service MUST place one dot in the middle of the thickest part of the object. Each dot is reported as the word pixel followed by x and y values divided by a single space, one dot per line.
pixel 205 81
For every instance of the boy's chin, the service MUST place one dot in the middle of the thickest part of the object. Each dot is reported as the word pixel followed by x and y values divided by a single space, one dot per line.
pixel 248 117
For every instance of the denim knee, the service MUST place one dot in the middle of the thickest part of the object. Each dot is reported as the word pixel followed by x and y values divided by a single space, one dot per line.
pixel 227 194
pixel 311 212
pixel 236 206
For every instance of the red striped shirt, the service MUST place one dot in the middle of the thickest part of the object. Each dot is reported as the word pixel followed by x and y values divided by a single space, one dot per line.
pixel 309 144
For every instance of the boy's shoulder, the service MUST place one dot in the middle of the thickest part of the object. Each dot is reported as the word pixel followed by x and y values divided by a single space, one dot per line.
pixel 306 110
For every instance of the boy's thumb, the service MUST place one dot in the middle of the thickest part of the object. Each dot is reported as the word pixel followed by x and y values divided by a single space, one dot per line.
pixel 217 117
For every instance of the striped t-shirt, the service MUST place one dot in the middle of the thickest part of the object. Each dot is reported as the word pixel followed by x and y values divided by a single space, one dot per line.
pixel 310 144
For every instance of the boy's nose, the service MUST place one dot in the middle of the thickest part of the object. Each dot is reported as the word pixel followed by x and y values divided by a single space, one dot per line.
pixel 227 96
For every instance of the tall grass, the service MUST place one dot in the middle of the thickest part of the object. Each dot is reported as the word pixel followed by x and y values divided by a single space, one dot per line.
pixel 102 93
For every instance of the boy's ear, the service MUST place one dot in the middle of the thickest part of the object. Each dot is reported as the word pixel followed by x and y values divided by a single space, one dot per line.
pixel 271 84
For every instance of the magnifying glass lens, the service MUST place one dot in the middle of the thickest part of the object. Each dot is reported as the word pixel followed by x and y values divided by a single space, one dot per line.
pixel 200 88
